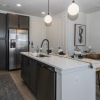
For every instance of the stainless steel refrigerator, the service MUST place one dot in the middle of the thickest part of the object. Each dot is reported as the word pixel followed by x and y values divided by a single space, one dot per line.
pixel 18 42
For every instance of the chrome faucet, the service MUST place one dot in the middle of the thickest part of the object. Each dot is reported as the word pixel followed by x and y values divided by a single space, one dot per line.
pixel 48 45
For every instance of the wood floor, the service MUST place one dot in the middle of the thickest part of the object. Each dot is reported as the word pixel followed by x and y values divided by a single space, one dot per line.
pixel 24 89
pixel 20 84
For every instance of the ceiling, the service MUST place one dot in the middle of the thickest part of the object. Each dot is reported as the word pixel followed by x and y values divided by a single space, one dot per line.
pixel 35 7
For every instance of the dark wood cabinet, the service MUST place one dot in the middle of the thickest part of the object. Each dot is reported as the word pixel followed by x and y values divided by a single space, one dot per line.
pixel 33 64
pixel 17 21
pixel 28 72
pixel 2 41
pixel 46 79
pixel 2 25
pixel 40 77
pixel 25 69
pixel 2 54
pixel 12 20
pixel 24 22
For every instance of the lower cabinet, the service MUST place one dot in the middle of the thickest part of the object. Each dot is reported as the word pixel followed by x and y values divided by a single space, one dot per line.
pixel 25 69
pixel 46 82
pixel 28 72
pixel 33 75
pixel 40 77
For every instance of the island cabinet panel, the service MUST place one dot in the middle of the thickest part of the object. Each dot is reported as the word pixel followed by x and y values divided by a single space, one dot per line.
pixel 78 84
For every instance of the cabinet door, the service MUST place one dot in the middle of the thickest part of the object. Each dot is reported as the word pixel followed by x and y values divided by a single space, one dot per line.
pixel 2 54
pixel 27 73
pixel 2 25
pixel 45 82
pixel 22 67
pixel 33 75
pixel 25 69
pixel 12 20
pixel 24 22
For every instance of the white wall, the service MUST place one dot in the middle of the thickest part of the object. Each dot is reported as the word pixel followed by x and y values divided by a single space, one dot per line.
pixel 62 31
pixel 82 19
pixel 93 22
pixel 56 32
pixel 52 34
pixel 37 32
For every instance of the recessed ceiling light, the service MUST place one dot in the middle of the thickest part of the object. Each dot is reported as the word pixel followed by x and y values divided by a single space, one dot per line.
pixel 18 5
pixel 43 13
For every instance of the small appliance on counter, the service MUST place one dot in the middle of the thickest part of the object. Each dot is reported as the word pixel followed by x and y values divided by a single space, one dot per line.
pixel 60 51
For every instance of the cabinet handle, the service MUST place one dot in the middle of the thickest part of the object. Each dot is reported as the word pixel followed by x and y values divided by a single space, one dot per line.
pixel 42 65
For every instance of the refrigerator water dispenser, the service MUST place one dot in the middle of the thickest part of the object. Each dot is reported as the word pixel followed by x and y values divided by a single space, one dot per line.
pixel 12 43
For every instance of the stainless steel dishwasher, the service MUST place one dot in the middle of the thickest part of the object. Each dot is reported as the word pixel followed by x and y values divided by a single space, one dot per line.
pixel 46 82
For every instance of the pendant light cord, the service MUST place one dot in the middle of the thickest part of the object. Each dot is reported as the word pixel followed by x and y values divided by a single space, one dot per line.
pixel 48 7
pixel 73 1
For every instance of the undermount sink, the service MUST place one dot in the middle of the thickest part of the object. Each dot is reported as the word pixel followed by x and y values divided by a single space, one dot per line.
pixel 93 56
pixel 43 55
pixel 40 55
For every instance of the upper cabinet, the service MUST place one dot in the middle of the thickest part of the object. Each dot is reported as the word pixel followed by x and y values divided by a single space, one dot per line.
pixel 24 22
pixel 2 25
pixel 12 21
pixel 17 21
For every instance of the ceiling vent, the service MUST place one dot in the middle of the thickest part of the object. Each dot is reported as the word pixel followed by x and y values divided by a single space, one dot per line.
pixel 4 5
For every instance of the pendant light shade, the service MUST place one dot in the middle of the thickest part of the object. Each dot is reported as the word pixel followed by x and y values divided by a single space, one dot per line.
pixel 48 18
pixel 73 9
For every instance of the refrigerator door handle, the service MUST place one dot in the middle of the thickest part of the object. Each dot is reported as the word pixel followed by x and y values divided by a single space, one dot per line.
pixel 16 36
pixel 5 37
pixel 5 40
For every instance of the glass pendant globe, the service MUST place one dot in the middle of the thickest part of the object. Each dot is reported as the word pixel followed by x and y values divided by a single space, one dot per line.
pixel 73 9
pixel 48 19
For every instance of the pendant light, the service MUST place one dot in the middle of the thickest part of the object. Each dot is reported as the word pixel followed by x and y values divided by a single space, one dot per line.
pixel 48 18
pixel 73 9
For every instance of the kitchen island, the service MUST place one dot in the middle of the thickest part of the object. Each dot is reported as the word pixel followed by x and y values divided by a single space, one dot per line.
pixel 68 79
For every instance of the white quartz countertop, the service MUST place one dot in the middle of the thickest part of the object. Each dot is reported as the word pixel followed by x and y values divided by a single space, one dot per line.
pixel 95 63
pixel 59 63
